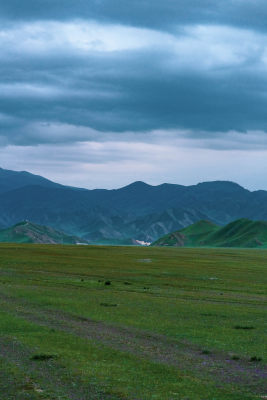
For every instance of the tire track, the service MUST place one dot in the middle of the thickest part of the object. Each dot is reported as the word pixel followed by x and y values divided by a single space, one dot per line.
pixel 188 358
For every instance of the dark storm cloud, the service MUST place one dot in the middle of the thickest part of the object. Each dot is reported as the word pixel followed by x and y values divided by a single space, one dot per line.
pixel 127 93
pixel 164 14
pixel 195 66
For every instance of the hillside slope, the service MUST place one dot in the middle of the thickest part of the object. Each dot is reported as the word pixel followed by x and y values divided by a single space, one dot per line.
pixel 192 236
pixel 27 232
pixel 240 233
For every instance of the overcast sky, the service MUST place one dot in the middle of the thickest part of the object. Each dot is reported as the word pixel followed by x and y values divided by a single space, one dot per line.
pixel 101 93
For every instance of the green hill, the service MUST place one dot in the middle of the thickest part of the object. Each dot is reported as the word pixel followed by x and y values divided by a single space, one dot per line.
pixel 191 236
pixel 240 233
pixel 27 232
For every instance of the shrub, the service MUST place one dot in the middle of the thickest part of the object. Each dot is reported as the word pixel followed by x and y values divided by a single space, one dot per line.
pixel 235 358
pixel 255 359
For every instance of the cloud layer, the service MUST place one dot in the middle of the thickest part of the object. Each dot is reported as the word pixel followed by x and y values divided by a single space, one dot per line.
pixel 176 75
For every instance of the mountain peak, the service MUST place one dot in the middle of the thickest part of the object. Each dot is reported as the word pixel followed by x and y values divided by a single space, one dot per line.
pixel 137 185
pixel 220 185
pixel 22 223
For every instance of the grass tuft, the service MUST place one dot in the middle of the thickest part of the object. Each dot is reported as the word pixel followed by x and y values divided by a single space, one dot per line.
pixel 245 328
pixel 43 357
pixel 108 305
pixel 206 352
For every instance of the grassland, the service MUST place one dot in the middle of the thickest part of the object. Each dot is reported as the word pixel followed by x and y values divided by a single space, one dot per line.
pixel 92 322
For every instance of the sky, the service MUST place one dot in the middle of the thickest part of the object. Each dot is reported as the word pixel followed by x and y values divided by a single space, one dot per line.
pixel 102 93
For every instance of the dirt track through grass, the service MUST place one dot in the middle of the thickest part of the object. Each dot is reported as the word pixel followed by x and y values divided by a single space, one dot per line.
pixel 53 378
pixel 153 347
pixel 174 328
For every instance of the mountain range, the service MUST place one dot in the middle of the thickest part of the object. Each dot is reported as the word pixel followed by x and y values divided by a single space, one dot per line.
pixel 138 211
pixel 239 233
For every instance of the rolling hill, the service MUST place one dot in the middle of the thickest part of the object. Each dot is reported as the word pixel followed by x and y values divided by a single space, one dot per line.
pixel 27 232
pixel 191 236
pixel 240 233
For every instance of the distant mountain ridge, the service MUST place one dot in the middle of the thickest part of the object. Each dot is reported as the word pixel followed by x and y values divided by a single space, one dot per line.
pixel 135 212
pixel 10 180
pixel 27 232
pixel 242 233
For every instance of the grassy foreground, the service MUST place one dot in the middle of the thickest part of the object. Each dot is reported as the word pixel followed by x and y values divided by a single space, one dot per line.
pixel 85 322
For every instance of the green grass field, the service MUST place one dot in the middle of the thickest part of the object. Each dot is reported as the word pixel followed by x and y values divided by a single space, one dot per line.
pixel 89 322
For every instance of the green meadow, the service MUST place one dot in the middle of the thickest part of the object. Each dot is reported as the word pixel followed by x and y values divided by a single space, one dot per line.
pixel 103 322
